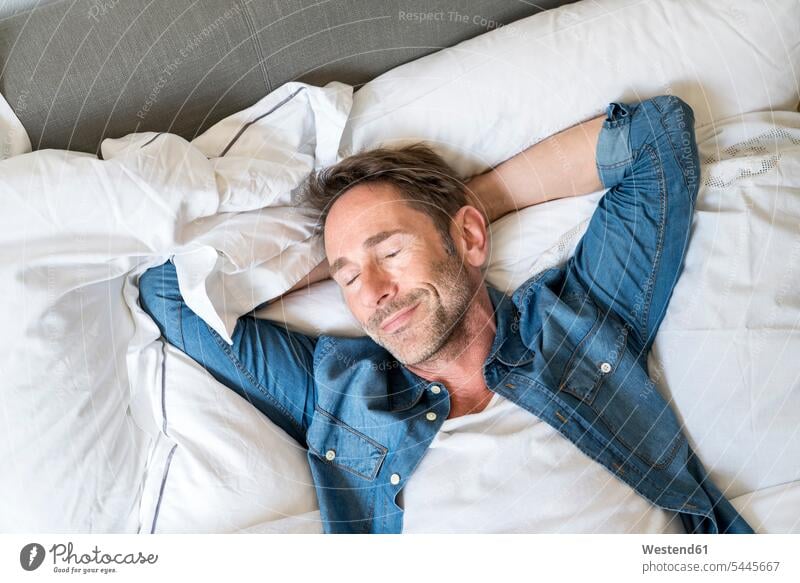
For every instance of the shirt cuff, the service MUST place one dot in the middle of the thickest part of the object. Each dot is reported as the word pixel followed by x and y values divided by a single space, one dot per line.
pixel 614 156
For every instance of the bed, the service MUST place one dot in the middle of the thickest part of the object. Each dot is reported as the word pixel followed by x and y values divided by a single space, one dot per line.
pixel 141 140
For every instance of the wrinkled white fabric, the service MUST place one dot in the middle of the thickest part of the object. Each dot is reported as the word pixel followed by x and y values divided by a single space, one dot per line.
pixel 81 363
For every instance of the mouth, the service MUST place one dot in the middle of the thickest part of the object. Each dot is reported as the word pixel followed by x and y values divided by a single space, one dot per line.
pixel 398 319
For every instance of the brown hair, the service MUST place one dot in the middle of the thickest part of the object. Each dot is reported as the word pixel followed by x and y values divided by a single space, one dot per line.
pixel 425 181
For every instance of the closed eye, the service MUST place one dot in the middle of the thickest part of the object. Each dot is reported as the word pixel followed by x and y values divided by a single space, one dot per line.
pixel 389 256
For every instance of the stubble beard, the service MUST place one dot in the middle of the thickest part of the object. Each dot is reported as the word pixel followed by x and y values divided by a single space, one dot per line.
pixel 440 334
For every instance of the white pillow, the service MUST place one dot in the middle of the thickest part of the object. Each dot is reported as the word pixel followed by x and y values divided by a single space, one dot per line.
pixel 259 245
pixel 477 104
pixel 219 465
pixel 484 100
pixel 488 98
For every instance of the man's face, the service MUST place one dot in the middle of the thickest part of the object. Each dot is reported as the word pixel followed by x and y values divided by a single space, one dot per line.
pixel 398 280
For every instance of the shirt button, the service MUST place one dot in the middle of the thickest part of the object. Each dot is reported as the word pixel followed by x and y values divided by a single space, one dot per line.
pixel 436 389
pixel 430 416
pixel 330 454
pixel 605 367
pixel 394 479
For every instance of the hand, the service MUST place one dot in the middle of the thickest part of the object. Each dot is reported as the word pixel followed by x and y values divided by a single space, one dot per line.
pixel 319 273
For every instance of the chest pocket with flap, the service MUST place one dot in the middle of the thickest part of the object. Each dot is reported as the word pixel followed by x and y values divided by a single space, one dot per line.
pixel 340 445
pixel 595 356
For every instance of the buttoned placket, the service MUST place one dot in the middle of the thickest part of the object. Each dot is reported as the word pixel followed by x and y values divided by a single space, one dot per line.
pixel 434 415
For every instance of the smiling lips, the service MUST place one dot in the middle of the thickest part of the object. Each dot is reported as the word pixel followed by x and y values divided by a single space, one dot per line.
pixel 395 321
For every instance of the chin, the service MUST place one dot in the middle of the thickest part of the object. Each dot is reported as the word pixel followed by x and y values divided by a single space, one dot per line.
pixel 401 346
pixel 413 354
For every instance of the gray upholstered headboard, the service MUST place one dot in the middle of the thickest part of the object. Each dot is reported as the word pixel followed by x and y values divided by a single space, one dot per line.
pixel 76 71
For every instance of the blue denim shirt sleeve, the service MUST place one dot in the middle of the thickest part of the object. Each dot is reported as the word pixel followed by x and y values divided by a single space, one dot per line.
pixel 632 254
pixel 269 366
pixel 613 153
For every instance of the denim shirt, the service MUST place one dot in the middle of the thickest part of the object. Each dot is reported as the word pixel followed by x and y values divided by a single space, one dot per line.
pixel 571 347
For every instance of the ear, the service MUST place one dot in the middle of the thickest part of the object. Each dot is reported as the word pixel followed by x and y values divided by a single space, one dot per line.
pixel 471 235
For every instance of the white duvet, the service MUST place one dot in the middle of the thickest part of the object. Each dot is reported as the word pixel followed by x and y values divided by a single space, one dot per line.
pixel 106 428
pixel 80 366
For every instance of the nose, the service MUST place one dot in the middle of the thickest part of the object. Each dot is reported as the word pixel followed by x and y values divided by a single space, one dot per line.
pixel 377 287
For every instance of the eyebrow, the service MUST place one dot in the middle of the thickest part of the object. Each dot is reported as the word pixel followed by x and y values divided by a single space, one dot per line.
pixel 367 244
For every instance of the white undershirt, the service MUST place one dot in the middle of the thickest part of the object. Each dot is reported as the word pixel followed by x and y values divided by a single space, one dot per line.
pixel 505 470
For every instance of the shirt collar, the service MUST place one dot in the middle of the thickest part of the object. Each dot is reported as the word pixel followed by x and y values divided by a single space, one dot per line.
pixel 406 388
pixel 508 346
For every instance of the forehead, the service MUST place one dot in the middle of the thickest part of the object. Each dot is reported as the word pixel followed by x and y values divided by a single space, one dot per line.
pixel 365 210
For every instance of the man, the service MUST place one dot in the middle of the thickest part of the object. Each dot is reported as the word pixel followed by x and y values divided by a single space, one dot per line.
pixel 466 409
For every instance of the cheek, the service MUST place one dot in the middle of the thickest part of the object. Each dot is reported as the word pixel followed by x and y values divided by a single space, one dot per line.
pixel 414 267
pixel 426 274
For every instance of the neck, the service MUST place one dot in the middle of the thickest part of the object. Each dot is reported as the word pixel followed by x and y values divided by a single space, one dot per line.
pixel 459 364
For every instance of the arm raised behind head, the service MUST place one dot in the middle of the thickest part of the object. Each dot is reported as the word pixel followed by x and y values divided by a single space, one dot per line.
pixel 562 165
